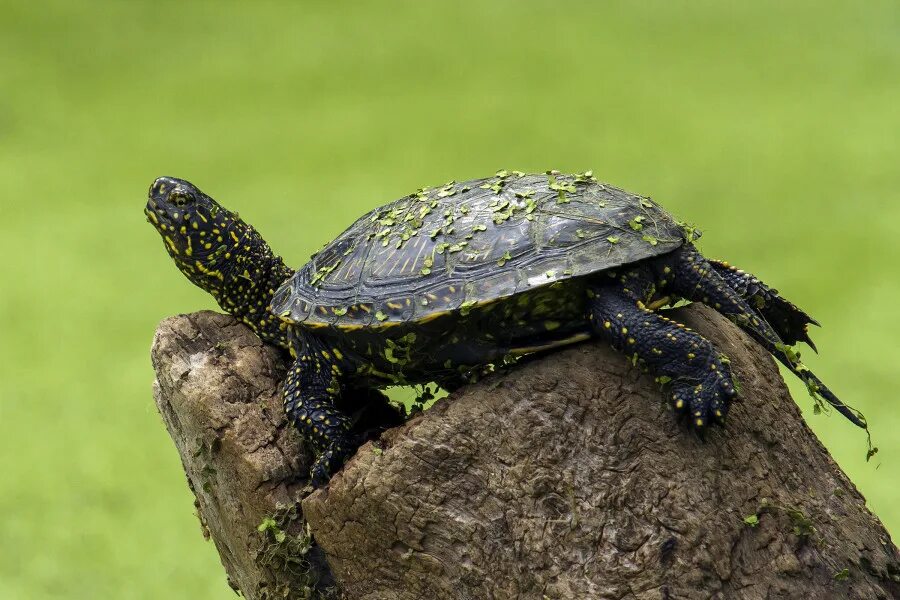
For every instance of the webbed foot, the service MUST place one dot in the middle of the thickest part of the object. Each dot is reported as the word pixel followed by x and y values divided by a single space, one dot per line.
pixel 789 322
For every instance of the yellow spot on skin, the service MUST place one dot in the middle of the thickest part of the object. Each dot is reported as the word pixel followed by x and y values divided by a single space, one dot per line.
pixel 624 330
pixel 699 422
pixel 667 270
pixel 691 355
pixel 679 404
pixel 631 340
pixel 607 324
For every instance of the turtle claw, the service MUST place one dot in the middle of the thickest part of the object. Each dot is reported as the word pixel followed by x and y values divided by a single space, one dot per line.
pixel 804 337
pixel 327 464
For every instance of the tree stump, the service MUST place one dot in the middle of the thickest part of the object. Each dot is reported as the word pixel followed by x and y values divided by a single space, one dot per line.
pixel 564 477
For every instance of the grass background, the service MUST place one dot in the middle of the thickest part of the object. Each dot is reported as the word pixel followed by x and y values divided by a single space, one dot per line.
pixel 772 125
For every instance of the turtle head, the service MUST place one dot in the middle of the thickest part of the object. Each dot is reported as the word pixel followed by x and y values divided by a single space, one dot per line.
pixel 199 234
pixel 219 253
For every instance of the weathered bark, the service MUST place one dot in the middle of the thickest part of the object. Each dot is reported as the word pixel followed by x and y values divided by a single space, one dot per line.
pixel 566 477
pixel 217 390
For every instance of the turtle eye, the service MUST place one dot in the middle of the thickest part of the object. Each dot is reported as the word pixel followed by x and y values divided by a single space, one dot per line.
pixel 179 198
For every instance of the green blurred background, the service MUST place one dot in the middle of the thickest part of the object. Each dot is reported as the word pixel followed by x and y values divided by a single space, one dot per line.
pixel 772 125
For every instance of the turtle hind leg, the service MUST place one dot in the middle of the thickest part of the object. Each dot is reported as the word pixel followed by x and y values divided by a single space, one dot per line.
pixel 694 278
pixel 696 373
pixel 789 321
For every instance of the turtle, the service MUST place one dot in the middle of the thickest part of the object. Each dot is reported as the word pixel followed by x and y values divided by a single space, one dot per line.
pixel 449 281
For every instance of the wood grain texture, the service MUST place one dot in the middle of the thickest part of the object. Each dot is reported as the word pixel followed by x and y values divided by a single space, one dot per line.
pixel 566 477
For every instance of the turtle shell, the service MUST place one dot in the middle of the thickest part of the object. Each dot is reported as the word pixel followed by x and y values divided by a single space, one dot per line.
pixel 465 244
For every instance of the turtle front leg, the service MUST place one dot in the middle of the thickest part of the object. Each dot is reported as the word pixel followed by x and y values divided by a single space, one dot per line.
pixel 311 389
pixel 789 322
pixel 699 374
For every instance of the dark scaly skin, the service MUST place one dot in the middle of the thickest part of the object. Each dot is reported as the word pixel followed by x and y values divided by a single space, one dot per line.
pixel 242 273
pixel 700 376
pixel 789 322
pixel 219 253
pixel 701 379
pixel 336 369
pixel 696 279
pixel 310 393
